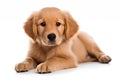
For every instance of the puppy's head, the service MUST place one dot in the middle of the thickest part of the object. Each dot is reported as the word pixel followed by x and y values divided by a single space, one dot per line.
pixel 50 26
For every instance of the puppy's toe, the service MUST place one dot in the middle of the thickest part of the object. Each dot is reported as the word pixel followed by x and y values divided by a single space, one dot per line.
pixel 104 59
pixel 21 67
pixel 43 68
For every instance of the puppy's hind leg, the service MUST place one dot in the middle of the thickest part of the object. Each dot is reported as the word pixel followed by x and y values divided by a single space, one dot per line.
pixel 93 48
pixel 88 59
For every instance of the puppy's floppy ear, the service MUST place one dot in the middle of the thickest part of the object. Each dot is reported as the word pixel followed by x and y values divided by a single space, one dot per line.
pixel 30 27
pixel 71 27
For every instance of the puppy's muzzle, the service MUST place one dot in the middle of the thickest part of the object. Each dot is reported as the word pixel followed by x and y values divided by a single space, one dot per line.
pixel 51 37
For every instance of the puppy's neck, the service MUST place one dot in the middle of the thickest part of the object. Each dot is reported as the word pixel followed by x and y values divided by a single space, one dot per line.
pixel 46 48
pixel 41 46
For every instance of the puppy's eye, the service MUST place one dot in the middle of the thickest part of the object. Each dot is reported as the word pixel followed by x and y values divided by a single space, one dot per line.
pixel 43 24
pixel 58 24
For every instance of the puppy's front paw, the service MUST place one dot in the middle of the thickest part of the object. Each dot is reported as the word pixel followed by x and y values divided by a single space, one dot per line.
pixel 104 59
pixel 43 68
pixel 22 67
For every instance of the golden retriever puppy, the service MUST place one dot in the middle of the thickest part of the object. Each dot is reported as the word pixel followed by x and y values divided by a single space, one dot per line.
pixel 56 43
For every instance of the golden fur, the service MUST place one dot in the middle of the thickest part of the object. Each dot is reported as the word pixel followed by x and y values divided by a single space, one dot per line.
pixel 68 49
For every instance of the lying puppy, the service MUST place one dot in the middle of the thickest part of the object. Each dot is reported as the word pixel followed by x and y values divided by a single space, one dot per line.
pixel 56 43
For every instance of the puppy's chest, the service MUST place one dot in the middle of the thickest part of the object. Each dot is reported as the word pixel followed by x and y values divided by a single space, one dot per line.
pixel 43 54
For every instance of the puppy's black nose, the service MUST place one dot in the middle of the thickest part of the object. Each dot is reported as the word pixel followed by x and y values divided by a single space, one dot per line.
pixel 51 37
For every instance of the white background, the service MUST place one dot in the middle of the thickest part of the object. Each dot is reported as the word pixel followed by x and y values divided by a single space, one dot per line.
pixel 99 18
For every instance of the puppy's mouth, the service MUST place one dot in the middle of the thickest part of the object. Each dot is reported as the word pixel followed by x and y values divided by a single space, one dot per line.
pixel 51 43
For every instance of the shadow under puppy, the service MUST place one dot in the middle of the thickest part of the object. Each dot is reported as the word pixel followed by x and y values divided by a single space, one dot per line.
pixel 56 43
